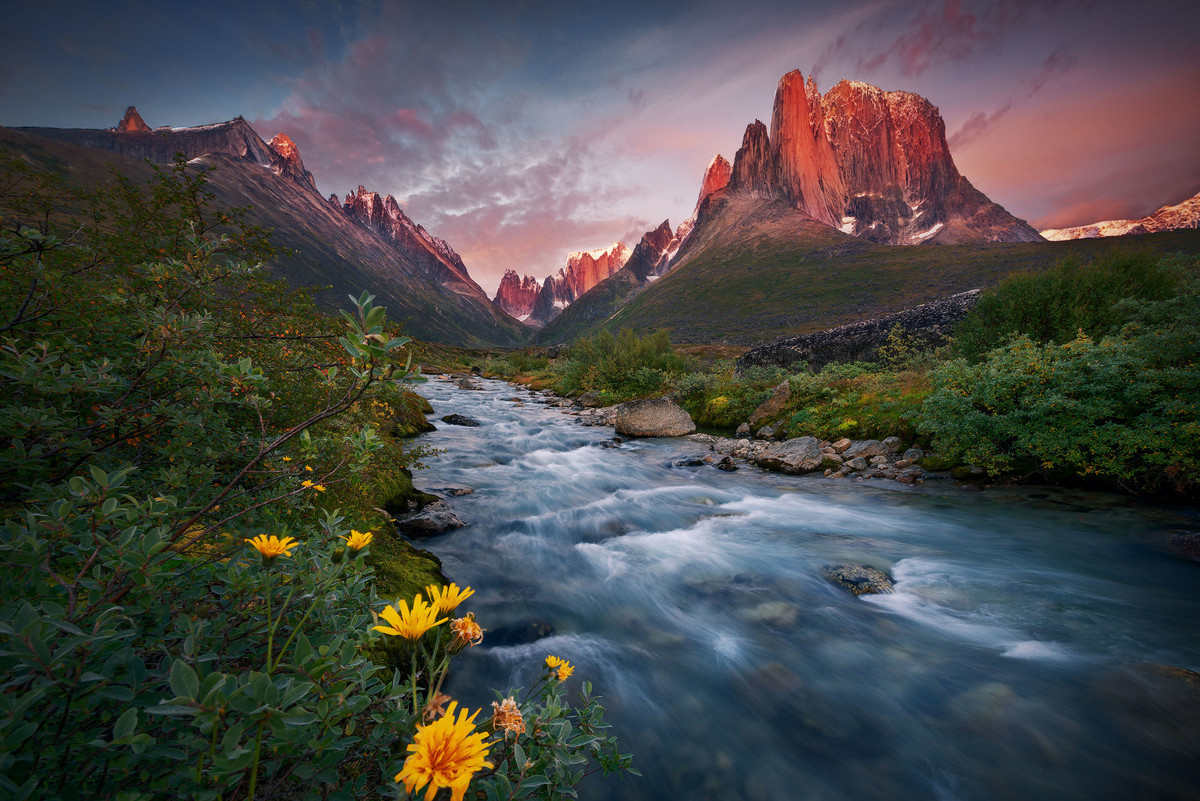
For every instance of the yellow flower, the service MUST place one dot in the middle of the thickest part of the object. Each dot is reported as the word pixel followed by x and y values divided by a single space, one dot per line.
pixel 467 630
pixel 507 716
pixel 409 624
pixel 286 458
pixel 308 467
pixel 447 599
pixel 560 667
pixel 358 539
pixel 309 484
pixel 445 753
pixel 271 547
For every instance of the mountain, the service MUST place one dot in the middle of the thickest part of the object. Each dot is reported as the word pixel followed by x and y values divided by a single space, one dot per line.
pixel 870 163
pixel 839 173
pixel 1167 218
pixel 365 244
pixel 517 298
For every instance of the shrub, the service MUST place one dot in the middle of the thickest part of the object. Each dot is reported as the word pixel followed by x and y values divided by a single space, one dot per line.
pixel 1124 408
pixel 622 366
pixel 1054 306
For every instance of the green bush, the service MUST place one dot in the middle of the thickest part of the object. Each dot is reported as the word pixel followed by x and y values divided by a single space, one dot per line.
pixel 622 366
pixel 1054 306
pixel 1124 409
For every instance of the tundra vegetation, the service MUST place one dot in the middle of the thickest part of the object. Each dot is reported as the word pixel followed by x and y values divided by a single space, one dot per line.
pixel 1083 372
pixel 192 552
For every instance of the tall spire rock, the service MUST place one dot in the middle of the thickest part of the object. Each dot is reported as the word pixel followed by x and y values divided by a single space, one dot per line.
pixel 805 168
pixel 716 178
pixel 754 163
pixel 132 122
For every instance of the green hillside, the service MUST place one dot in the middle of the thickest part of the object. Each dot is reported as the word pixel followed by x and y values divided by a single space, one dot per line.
pixel 756 270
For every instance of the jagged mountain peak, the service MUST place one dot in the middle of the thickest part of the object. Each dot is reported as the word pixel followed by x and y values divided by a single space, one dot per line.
pixel 132 122
pixel 869 162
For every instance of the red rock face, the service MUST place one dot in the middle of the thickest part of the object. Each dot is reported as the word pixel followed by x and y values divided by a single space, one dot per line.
pixel 716 178
pixel 285 160
pixel 516 296
pixel 585 270
pixel 870 163
pixel 433 256
pixel 132 122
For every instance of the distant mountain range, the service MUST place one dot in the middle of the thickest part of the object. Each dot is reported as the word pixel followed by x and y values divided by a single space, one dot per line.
pixel 1167 218
pixel 365 243
pixel 850 204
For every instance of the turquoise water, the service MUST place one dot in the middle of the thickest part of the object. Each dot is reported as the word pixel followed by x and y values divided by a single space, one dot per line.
pixel 1024 653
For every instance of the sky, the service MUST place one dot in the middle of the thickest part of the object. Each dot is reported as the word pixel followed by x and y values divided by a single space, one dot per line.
pixel 521 131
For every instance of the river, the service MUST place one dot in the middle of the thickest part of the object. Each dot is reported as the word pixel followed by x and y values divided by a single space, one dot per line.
pixel 1025 653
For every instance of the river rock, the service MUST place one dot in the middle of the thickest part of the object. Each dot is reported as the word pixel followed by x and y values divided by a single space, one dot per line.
pixel 654 417
pixel 893 445
pixel 466 383
pixel 743 431
pixel 841 445
pixel 773 405
pixel 800 455
pixel 590 400
pixel 460 420
pixel 727 464
pixel 454 490
pixel 913 454
pixel 867 448
pixel 859 579
pixel 519 633
pixel 857 463
pixel 432 519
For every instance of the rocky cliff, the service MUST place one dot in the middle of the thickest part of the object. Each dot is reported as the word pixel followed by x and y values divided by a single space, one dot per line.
pixel 433 256
pixel 584 270
pixel 516 296
pixel 870 163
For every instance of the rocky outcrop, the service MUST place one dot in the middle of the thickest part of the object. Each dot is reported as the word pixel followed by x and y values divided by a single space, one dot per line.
pixel 1167 218
pixel 647 256
pixel 516 296
pixel 870 163
pixel 588 268
pixel 927 325
pixel 286 161
pixel 432 519
pixel 772 406
pixel 433 256
pixel 655 417
pixel 132 122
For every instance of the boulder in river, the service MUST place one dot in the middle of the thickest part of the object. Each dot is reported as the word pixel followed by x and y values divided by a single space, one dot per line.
pixel 466 383
pixel 799 455
pixel 867 448
pixel 460 420
pixel 859 579
pixel 653 417
pixel 432 519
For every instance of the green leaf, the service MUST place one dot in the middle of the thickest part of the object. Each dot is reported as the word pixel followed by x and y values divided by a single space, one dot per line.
pixel 184 681
pixel 126 724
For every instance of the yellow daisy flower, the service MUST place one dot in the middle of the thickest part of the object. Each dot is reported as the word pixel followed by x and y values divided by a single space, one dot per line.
pixel 271 547
pixel 409 624
pixel 447 599
pixel 358 539
pixel 445 753
pixel 561 668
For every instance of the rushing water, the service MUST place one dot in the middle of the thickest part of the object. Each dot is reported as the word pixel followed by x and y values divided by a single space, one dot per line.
pixel 1021 656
